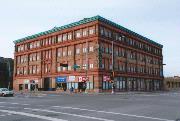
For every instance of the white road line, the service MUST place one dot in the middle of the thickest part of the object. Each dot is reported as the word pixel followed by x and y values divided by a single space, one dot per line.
pixel 14 103
pixel 25 104
pixel 32 115
pixel 2 102
pixel 2 115
pixel 123 114
pixel 2 106
pixel 12 107
pixel 70 114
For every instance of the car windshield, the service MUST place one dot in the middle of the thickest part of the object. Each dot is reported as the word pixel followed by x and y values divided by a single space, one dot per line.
pixel 5 90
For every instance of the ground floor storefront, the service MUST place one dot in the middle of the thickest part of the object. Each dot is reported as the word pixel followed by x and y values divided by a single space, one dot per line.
pixel 91 83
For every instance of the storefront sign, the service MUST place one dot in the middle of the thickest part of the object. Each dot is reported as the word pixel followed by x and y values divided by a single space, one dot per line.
pixel 26 81
pixel 61 79
pixel 83 79
pixel 106 78
pixel 71 78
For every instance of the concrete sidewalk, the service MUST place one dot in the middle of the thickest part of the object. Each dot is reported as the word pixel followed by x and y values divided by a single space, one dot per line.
pixel 45 93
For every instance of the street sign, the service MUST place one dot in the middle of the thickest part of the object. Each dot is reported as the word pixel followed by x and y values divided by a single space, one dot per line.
pixel 61 79
pixel 76 66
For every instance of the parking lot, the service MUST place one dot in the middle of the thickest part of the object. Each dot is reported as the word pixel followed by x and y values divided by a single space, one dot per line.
pixel 91 107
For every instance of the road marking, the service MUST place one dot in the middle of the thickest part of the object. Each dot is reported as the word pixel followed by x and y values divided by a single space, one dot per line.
pixel 70 114
pixel 123 114
pixel 2 102
pixel 2 115
pixel 2 106
pixel 12 107
pixel 32 115
pixel 25 104
pixel 14 103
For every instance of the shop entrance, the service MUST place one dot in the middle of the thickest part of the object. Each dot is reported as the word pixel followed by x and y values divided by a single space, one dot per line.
pixel 47 83
pixel 62 86
pixel 81 86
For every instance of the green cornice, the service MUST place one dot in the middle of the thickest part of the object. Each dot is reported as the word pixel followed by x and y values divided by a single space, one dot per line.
pixel 84 21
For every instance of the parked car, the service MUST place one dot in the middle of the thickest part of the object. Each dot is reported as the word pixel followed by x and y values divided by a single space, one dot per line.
pixel 5 92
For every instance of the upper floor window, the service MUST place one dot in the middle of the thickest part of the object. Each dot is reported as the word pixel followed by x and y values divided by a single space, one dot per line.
pixel 84 50
pixel 91 49
pixel 85 32
pixel 59 38
pixel 69 36
pixel 92 31
pixel 64 37
pixel 69 52
pixel 77 51
pixel 91 65
pixel 78 34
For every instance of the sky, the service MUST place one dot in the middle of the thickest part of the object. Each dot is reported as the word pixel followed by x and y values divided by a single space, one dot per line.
pixel 158 20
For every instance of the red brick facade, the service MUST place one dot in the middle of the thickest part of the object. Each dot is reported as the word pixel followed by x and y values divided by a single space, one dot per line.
pixel 137 63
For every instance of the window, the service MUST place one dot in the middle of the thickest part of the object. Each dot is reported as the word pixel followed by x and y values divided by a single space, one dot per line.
pixel 38 56
pixel 91 31
pixel 78 34
pixel 85 32
pixel 84 50
pixel 69 53
pixel 84 66
pixel 38 44
pixel 59 38
pixel 91 49
pixel 69 68
pixel 64 53
pixel 64 37
pixel 91 66
pixel 77 51
pixel 59 68
pixel 64 68
pixel 69 36
pixel 101 30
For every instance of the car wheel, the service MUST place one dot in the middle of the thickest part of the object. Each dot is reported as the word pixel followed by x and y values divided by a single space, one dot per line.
pixel 3 95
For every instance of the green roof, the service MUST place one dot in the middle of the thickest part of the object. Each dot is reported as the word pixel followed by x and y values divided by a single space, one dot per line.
pixel 84 21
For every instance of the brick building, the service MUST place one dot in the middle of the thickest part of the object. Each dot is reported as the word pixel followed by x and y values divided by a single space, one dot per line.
pixel 93 43
pixel 6 72
pixel 172 83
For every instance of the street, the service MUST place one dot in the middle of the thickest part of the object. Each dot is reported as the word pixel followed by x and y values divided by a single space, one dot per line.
pixel 91 107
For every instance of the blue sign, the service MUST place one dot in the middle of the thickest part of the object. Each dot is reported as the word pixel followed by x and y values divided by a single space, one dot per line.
pixel 61 79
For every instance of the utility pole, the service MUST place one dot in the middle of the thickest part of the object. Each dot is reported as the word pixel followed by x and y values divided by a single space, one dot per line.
pixel 9 73
pixel 112 92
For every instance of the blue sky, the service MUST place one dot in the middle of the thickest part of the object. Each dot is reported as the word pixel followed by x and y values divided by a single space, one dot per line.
pixel 158 20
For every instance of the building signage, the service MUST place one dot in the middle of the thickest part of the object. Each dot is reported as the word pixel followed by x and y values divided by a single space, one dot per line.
pixel 71 78
pixel 61 79
pixel 83 79
pixel 106 78
pixel 26 81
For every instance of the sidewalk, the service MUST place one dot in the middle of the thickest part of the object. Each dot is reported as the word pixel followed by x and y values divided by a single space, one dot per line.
pixel 45 93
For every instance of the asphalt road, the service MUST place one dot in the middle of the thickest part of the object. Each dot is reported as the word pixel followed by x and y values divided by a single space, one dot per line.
pixel 91 107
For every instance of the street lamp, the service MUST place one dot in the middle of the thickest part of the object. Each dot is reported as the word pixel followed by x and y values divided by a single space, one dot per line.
pixel 112 79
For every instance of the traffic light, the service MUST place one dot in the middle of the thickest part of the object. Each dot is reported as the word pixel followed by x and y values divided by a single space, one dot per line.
pixel 112 75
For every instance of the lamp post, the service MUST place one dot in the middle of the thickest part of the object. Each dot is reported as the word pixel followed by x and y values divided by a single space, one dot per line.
pixel 112 92
pixel 86 65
